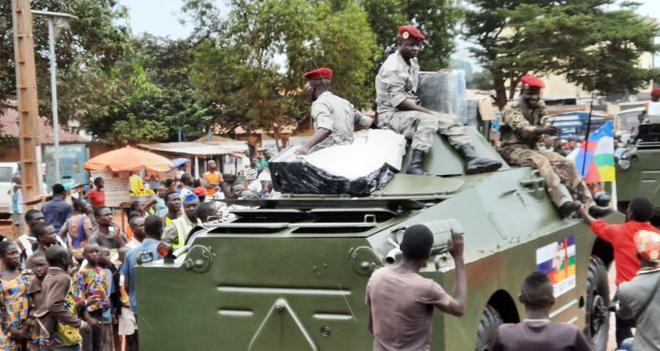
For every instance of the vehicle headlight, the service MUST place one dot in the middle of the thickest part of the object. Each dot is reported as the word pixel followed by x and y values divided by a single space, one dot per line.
pixel 624 160
pixel 624 164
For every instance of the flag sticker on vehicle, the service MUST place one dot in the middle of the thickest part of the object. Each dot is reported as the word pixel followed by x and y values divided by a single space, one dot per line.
pixel 557 260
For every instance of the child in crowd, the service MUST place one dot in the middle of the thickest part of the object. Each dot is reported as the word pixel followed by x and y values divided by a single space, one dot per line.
pixel 111 265
pixel 57 316
pixel 94 287
pixel 14 305
pixel 39 267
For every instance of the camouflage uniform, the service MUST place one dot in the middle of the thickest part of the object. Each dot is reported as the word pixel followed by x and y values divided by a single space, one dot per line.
pixel 337 115
pixel 518 147
pixel 396 82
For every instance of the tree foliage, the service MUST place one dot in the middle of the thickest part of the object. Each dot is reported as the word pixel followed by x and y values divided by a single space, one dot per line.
pixel 251 68
pixel 96 40
pixel 144 97
pixel 593 42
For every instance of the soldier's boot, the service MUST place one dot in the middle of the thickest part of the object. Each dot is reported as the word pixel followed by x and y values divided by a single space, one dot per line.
pixel 416 163
pixel 476 164
pixel 561 197
pixel 599 211
pixel 568 208
pixel 602 199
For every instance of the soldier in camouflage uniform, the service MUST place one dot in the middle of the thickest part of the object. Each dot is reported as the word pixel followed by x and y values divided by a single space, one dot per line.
pixel 334 117
pixel 524 123
pixel 399 108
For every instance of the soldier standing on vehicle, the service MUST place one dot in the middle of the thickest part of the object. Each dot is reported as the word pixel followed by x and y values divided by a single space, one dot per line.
pixel 652 108
pixel 401 302
pixel 523 125
pixel 334 117
pixel 399 108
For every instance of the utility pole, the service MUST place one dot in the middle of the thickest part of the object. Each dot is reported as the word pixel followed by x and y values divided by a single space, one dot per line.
pixel 26 92
pixel 52 17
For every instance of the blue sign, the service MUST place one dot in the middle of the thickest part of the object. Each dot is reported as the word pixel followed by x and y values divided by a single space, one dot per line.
pixel 575 123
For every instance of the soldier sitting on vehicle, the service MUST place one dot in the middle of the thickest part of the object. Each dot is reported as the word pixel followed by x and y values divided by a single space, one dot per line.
pixel 334 117
pixel 523 126
pixel 399 108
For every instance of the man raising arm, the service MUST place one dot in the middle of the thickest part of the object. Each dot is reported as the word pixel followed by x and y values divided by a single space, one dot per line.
pixel 400 299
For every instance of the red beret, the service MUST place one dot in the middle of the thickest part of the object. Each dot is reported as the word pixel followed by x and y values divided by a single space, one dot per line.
pixel 319 73
pixel 406 32
pixel 655 93
pixel 532 82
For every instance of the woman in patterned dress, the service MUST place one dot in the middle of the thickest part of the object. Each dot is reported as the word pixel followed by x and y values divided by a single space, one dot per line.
pixel 14 305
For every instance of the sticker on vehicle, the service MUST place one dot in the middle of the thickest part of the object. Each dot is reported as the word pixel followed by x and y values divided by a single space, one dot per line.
pixel 557 260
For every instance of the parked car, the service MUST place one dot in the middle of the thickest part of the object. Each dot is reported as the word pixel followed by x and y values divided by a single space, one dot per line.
pixel 7 170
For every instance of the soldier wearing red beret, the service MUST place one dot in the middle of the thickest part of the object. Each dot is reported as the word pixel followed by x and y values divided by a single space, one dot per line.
pixel 399 108
pixel 524 124
pixel 652 110
pixel 334 118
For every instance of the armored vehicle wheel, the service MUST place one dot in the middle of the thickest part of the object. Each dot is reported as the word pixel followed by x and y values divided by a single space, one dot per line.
pixel 490 320
pixel 598 301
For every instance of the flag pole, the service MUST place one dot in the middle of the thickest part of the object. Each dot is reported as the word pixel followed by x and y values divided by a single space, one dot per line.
pixel 586 138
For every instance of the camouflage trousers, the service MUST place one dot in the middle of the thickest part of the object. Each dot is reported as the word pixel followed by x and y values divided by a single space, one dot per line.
pixel 561 177
pixel 420 127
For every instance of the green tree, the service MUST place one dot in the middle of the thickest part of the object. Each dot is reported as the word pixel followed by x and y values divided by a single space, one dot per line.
pixel 251 68
pixel 436 18
pixel 133 130
pixel 94 41
pixel 145 97
pixel 593 42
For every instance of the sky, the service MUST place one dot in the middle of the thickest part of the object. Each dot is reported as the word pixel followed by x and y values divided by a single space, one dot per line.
pixel 162 18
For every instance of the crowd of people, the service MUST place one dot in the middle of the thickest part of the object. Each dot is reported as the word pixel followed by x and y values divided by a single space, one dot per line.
pixel 68 281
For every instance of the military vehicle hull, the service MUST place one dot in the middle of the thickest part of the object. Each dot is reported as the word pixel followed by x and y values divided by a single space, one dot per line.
pixel 280 280
pixel 638 170
pixel 290 274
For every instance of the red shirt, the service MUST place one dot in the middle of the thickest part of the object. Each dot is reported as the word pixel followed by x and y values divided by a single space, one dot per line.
pixel 97 198
pixel 622 238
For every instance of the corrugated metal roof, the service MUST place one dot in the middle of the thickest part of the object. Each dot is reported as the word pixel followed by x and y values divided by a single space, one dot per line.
pixel 9 127
pixel 199 149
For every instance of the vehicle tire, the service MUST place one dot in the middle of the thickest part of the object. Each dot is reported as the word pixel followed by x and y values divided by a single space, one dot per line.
pixel 598 301
pixel 489 322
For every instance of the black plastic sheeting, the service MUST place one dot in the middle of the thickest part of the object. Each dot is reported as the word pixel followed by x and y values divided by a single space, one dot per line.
pixel 293 175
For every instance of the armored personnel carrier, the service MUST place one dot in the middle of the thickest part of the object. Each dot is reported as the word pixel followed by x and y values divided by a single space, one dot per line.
pixel 290 273
pixel 638 167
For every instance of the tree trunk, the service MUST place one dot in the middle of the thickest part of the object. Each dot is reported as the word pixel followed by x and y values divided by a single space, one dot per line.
pixel 515 80
pixel 500 90
pixel 277 136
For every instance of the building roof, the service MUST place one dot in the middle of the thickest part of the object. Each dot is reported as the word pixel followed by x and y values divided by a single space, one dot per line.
pixel 9 127
pixel 194 148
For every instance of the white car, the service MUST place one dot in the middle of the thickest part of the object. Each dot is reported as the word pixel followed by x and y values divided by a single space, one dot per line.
pixel 7 170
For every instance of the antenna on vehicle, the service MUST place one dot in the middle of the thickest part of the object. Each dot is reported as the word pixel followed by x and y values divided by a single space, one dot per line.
pixel 586 136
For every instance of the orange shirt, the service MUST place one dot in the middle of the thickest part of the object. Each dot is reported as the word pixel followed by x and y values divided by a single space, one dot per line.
pixel 213 178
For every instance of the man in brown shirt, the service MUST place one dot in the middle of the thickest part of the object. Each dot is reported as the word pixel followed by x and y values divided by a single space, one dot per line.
pixel 537 332
pixel 401 301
